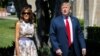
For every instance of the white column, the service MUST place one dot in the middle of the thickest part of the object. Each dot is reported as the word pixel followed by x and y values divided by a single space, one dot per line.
pixel 80 9
pixel 86 17
pixel 94 11
pixel 32 2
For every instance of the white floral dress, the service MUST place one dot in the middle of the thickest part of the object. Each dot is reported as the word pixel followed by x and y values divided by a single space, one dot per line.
pixel 27 46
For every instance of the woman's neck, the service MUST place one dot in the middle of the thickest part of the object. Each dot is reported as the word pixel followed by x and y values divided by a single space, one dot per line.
pixel 26 21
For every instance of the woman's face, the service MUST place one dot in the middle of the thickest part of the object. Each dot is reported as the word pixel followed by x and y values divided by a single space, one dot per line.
pixel 26 15
pixel 65 8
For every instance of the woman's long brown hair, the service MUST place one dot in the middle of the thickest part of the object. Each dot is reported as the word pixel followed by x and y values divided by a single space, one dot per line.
pixel 31 17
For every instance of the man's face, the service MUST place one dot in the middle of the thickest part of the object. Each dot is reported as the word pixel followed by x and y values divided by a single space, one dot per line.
pixel 65 8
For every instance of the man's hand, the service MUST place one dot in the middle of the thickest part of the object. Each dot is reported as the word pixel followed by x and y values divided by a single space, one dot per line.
pixel 84 51
pixel 59 52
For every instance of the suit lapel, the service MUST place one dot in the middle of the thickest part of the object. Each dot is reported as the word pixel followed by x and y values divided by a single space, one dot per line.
pixel 63 23
pixel 73 26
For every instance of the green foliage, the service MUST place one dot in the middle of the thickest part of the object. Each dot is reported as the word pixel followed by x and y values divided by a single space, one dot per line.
pixel 45 50
pixel 81 22
pixel 7 28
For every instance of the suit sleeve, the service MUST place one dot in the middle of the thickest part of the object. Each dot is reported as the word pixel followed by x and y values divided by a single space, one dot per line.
pixel 81 36
pixel 53 37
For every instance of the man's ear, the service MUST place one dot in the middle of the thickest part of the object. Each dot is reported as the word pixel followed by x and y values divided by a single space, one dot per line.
pixel 70 11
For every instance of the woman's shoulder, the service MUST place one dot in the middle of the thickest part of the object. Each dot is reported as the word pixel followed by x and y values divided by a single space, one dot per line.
pixel 18 22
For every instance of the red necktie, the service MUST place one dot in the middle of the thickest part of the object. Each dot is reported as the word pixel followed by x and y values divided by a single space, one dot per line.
pixel 68 32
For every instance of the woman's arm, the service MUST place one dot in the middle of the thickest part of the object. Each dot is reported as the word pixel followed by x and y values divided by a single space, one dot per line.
pixel 36 37
pixel 17 38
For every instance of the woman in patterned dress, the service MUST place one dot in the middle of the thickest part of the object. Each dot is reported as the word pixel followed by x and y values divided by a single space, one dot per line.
pixel 25 30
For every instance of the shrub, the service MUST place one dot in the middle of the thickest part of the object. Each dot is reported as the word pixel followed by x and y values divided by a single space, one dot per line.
pixel 93 33
pixel 45 50
pixel 81 21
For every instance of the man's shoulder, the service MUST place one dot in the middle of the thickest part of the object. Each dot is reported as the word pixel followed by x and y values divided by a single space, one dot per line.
pixel 56 18
pixel 73 17
pixel 59 16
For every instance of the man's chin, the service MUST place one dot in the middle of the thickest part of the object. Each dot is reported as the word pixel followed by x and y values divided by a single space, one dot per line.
pixel 65 14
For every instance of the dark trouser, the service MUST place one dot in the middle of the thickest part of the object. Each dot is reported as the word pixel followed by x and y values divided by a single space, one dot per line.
pixel 71 51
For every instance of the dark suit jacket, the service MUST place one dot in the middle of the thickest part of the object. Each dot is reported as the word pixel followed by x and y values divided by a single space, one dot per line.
pixel 58 36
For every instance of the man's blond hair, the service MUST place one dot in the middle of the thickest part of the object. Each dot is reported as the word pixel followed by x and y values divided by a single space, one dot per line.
pixel 69 4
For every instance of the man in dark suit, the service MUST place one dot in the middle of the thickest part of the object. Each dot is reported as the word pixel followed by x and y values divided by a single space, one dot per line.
pixel 66 36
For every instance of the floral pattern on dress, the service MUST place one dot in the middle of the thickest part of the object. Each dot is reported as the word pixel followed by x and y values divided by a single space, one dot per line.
pixel 27 48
